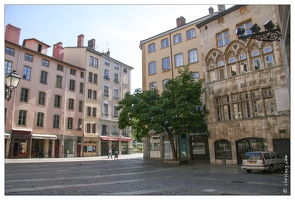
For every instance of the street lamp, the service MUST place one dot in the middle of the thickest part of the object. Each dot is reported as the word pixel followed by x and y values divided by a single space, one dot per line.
pixel 271 33
pixel 12 81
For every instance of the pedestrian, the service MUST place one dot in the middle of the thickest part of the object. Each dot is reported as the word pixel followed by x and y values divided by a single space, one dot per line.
pixel 110 153
pixel 116 155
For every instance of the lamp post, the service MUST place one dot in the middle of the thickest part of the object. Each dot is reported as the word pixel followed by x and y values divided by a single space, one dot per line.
pixel 12 80
pixel 271 33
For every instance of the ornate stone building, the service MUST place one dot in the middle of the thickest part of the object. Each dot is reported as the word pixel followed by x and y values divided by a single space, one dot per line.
pixel 246 90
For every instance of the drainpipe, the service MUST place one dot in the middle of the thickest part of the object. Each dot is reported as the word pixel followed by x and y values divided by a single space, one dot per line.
pixel 171 60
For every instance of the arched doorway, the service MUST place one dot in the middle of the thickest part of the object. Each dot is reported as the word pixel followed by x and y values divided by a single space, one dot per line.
pixel 250 144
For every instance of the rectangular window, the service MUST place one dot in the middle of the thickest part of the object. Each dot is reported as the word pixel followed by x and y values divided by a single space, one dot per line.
pixel 223 39
pixel 152 47
pixel 256 63
pixel 80 106
pixel 93 128
pixel 242 57
pixel 256 108
pixel 60 67
pixel 232 60
pixel 165 64
pixel 246 109
pixel 71 104
pixel 9 51
pixel 27 73
pixel 88 111
pixel 116 78
pixel 153 85
pixel 95 63
pixel 72 85
pixel 218 113
pixel 269 61
pixel 164 43
pixel 193 57
pixel 28 57
pixel 56 121
pixel 22 116
pixel 267 92
pixel 45 63
pixel 244 96
pixel 8 67
pixel 191 34
pixel 43 77
pixel 233 70
pixel 269 106
pixel 247 26
pixel 81 90
pixel 196 75
pixel 57 100
pixel 90 77
pixel 177 38
pixel 89 93
pixel 94 94
pixel 106 62
pixel 267 50
pixel 40 119
pixel 73 72
pixel 116 93
pixel 106 74
pixel 95 78
pixel 244 68
pixel 255 53
pixel 58 83
pixel 178 60
pixel 93 112
pixel 106 109
pixel 106 91
pixel 42 97
pixel 152 68
pixel 70 123
pixel 88 128
pixel 227 113
pixel 91 61
pixel 82 75
pixel 235 97
pixel 24 95
pixel 116 112
pixel 237 111
pixel 116 66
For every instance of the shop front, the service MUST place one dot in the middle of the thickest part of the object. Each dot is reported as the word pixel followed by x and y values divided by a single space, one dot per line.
pixel 20 143
pixel 90 147
pixel 121 144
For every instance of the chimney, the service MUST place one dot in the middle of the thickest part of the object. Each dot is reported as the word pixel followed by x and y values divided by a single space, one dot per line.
pixel 80 42
pixel 58 51
pixel 180 21
pixel 91 44
pixel 211 11
pixel 221 8
pixel 108 53
pixel 12 33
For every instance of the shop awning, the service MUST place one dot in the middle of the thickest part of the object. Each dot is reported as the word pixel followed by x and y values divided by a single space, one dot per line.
pixel 115 138
pixel 44 136
pixel 7 135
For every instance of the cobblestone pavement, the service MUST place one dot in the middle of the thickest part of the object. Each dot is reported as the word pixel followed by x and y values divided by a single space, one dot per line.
pixel 133 175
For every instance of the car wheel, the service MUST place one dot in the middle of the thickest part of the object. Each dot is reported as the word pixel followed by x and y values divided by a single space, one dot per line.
pixel 248 170
pixel 270 169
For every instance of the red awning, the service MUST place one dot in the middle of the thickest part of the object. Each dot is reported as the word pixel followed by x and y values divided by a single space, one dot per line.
pixel 115 138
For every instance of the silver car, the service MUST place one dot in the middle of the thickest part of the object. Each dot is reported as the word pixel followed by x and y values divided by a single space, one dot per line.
pixel 262 160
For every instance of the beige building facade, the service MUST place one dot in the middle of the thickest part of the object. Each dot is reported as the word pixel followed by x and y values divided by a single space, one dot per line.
pixel 162 56
pixel 106 82
pixel 42 116
pixel 246 89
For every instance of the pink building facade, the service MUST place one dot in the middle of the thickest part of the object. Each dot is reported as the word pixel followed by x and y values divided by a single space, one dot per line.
pixel 43 118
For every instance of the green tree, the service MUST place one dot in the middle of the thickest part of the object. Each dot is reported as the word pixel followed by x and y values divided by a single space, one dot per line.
pixel 177 110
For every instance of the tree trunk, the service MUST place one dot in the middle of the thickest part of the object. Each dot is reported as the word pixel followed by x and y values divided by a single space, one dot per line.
pixel 171 139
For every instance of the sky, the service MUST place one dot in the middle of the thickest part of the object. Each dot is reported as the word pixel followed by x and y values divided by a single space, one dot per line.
pixel 117 27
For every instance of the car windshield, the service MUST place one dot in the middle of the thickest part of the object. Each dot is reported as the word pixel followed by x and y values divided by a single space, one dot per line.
pixel 252 156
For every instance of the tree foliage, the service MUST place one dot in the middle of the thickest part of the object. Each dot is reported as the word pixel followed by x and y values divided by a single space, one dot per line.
pixel 177 110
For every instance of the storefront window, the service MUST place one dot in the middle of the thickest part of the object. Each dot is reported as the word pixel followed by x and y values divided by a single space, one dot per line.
pixel 223 149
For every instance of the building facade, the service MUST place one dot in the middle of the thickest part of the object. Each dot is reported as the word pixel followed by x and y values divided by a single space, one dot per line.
pixel 42 116
pixel 162 56
pixel 246 88
pixel 106 82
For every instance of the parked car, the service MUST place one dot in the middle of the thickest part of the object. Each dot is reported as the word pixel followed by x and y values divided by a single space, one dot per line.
pixel 262 160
